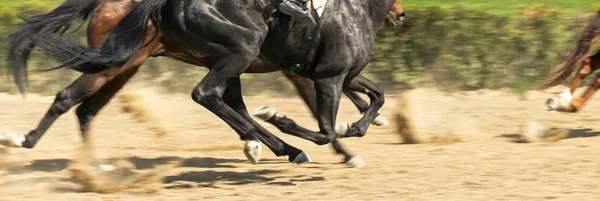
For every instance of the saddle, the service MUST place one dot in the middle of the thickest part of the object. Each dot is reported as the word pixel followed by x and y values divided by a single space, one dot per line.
pixel 296 62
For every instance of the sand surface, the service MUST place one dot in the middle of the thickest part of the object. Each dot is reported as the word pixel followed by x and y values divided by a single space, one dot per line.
pixel 207 162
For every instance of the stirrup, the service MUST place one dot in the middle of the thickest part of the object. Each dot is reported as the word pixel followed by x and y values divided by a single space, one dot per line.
pixel 300 13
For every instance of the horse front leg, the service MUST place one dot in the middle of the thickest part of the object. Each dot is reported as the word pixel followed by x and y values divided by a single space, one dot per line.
pixel 577 103
pixel 565 102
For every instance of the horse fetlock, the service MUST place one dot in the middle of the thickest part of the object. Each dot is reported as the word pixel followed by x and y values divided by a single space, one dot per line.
pixel 575 105
pixel 30 140
pixel 341 129
pixel 61 104
pixel 325 139
pixel 355 131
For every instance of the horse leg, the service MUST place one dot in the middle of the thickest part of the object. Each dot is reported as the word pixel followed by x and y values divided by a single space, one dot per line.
pixel 82 88
pixel 577 103
pixel 306 90
pixel 363 106
pixel 328 93
pixel 326 111
pixel 592 64
pixel 90 107
pixel 233 98
pixel 587 68
pixel 210 93
pixel 364 85
pixel 564 102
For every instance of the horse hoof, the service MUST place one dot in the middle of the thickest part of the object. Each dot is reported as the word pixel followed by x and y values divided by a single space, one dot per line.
pixel 252 150
pixel 302 158
pixel 10 139
pixel 356 162
pixel 342 129
pixel 380 121
pixel 265 113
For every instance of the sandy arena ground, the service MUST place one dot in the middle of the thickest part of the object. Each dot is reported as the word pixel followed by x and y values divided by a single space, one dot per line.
pixel 208 163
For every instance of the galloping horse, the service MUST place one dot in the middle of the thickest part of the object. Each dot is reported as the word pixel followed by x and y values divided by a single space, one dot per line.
pixel 121 52
pixel 565 102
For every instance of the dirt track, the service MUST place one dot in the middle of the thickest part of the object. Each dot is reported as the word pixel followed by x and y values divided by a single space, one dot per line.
pixel 485 165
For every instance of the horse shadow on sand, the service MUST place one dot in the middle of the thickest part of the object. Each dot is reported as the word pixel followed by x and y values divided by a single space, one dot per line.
pixel 199 172
pixel 572 133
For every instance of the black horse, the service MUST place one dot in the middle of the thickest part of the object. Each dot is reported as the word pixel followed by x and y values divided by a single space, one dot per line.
pixel 226 36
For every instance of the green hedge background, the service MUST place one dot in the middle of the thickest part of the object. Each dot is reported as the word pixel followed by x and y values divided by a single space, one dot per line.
pixel 468 45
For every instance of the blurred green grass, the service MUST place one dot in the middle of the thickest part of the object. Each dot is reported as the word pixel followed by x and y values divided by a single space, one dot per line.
pixel 510 6
pixel 486 44
pixel 31 1
pixel 44 2
pixel 495 6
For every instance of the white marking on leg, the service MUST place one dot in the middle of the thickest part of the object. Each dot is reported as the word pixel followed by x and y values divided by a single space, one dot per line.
pixel 356 162
pixel 560 102
pixel 265 113
pixel 380 121
pixel 252 150
pixel 10 139
pixel 566 96
pixel 341 129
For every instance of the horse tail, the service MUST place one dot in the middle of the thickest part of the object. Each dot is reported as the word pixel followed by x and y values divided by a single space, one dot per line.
pixel 58 21
pixel 584 46
pixel 117 48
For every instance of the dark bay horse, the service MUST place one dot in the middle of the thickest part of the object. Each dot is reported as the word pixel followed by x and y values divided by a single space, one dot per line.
pixel 100 82
pixel 580 57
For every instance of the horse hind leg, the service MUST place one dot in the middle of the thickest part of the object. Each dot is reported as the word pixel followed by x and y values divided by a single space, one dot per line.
pixel 359 128
pixel 82 88
pixel 218 86
pixel 328 93
pixel 233 98
pixel 89 108
pixel 363 106
pixel 306 90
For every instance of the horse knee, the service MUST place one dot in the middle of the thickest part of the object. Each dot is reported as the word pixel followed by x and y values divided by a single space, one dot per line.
pixel 62 103
pixel 378 97
pixel 206 96
pixel 84 114
pixel 380 100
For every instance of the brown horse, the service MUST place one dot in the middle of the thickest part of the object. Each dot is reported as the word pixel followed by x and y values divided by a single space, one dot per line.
pixel 105 15
pixel 582 55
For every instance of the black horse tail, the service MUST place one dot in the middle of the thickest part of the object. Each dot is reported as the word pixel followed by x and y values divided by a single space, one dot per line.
pixel 117 48
pixel 585 45
pixel 58 21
